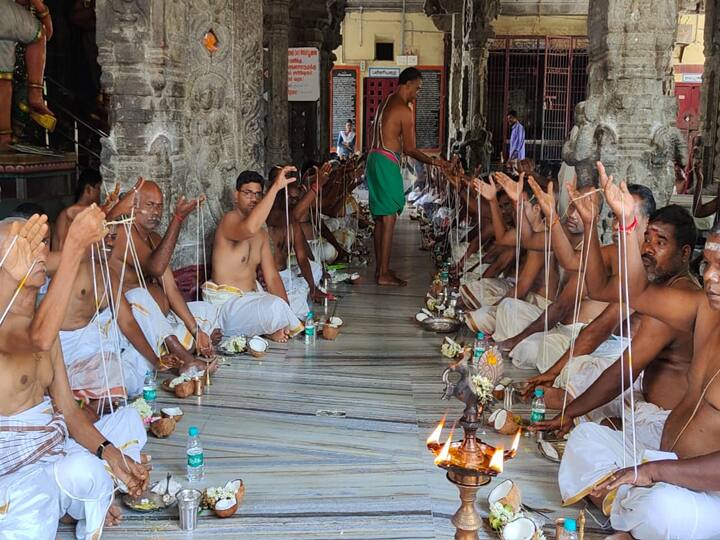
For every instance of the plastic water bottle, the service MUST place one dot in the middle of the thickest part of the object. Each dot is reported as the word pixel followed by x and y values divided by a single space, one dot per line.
pixel 195 456
pixel 150 388
pixel 310 329
pixel 479 348
pixel 570 527
pixel 445 275
pixel 537 412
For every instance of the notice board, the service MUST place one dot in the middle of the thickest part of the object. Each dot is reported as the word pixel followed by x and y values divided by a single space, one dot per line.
pixel 344 92
pixel 303 74
pixel 430 110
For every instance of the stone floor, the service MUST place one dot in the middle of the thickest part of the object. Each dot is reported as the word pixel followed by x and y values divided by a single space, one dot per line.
pixel 364 475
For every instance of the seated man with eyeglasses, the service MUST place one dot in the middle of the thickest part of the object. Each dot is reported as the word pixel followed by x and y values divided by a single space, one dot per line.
pixel 241 248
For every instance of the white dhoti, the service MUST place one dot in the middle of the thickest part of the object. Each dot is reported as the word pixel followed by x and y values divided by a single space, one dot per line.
pixel 250 313
pixel 297 291
pixel 661 511
pixel 157 327
pixel 323 250
pixel 514 316
pixel 482 320
pixel 484 292
pixel 35 496
pixel 542 350
pixel 92 359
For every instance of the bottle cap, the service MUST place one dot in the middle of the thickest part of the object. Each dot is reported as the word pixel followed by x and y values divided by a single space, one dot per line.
pixel 310 314
pixel 193 431
pixel 480 335
pixel 570 525
pixel 539 392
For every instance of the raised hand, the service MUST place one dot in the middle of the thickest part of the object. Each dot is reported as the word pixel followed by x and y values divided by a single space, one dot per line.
pixel 323 173
pixel 512 188
pixel 126 203
pixel 283 179
pixel 86 229
pixel 543 379
pixel 184 207
pixel 618 197
pixel 584 203
pixel 26 248
pixel 111 199
pixel 545 200
pixel 488 191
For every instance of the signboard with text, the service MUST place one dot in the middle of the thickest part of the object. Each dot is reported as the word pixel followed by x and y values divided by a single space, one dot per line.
pixel 303 74
pixel 430 110
pixel 386 73
pixel 344 90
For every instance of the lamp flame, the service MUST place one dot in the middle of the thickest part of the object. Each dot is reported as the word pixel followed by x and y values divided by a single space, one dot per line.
pixel 434 437
pixel 444 455
pixel 496 463
pixel 516 442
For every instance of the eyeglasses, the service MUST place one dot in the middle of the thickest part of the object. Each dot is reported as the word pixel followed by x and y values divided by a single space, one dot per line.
pixel 251 194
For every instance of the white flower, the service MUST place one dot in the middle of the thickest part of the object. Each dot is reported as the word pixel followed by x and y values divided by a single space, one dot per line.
pixel 482 387
pixel 501 515
pixel 142 407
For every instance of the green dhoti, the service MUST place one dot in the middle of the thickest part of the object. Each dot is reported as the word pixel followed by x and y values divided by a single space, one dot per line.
pixel 385 183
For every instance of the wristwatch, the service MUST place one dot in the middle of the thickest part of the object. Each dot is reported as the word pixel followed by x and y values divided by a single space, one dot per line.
pixel 101 448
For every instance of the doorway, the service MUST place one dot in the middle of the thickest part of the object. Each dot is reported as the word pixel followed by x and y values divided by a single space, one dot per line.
pixel 375 90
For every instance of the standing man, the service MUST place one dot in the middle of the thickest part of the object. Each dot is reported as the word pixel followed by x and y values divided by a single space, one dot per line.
pixel 516 152
pixel 393 136
pixel 87 192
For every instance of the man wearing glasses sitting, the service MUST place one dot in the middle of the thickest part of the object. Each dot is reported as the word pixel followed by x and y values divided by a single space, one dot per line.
pixel 242 246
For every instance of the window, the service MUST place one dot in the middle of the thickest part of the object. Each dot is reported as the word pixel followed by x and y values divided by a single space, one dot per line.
pixel 384 51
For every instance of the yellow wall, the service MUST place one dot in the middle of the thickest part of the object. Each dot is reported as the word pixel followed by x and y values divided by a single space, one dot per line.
pixel 361 30
pixel 574 25
pixel 691 54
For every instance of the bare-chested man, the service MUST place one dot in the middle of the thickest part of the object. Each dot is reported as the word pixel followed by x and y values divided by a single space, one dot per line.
pixel 393 136
pixel 242 247
pixel 172 326
pixel 87 192
pixel 530 288
pixel 44 474
pixel 661 352
pixel 675 492
pixel 596 346
pixel 87 335
pixel 307 283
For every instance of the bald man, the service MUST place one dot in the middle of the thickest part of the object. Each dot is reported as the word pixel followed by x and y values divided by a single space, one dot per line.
pixel 53 460
pixel 171 326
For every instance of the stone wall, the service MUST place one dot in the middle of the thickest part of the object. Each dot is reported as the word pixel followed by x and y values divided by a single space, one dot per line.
pixel 628 119
pixel 188 118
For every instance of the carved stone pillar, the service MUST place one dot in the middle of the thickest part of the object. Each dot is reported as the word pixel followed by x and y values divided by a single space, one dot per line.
pixel 277 40
pixel 455 80
pixel 628 119
pixel 184 79
pixel 710 145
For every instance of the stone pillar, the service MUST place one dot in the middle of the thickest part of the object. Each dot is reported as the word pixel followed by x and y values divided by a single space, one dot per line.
pixel 185 115
pixel 277 40
pixel 469 23
pixel 628 119
pixel 710 144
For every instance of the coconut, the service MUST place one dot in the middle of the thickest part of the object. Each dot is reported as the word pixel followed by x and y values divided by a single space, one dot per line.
pixel 493 415
pixel 164 427
pixel 506 493
pixel 225 507
pixel 420 317
pixel 335 321
pixel 239 488
pixel 258 346
pixel 505 423
pixel 499 392
pixel 172 412
pixel 331 330
pixel 184 389
pixel 519 529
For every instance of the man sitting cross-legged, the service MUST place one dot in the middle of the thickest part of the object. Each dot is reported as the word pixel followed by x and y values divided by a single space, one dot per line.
pixel 307 283
pixel 530 284
pixel 598 344
pixel 661 352
pixel 242 247
pixel 171 326
pixel 675 492
pixel 44 473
